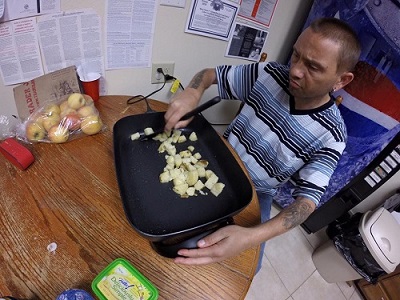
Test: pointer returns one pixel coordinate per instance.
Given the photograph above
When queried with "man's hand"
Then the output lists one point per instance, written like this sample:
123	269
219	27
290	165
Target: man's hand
224	243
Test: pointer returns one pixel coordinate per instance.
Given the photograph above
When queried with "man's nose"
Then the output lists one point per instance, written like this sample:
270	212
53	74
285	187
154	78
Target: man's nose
296	69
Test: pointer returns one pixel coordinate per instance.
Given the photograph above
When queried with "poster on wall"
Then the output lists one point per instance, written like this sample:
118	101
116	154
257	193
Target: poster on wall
258	11
212	18
371	102
246	42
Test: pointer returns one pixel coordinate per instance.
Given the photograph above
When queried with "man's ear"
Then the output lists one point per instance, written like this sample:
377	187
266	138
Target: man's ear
344	80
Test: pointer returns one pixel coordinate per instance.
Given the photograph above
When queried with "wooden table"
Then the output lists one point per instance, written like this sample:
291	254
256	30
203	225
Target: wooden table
69	196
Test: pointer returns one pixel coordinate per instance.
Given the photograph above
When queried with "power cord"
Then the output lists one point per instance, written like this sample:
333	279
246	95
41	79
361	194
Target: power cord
138	98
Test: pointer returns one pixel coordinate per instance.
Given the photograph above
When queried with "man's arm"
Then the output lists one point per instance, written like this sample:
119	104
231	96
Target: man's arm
232	240
189	98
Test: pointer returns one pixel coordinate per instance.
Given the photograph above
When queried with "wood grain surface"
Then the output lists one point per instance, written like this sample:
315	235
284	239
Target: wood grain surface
69	196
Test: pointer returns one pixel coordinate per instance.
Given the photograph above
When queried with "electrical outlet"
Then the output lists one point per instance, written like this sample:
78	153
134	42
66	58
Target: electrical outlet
168	68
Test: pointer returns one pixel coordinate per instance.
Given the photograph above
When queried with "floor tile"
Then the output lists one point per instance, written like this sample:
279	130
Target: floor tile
356	296
290	256
346	289
317	238
317	288
267	285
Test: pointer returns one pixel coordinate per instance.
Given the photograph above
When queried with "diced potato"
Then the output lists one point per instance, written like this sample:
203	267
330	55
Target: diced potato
182	139
211	181
197	155
193	160
178	160
209	173
193	136
191	148
192	178
203	163
148	131
181	189
191	191
217	188
170	160
185	153
135	136
201	171
165	177
199	185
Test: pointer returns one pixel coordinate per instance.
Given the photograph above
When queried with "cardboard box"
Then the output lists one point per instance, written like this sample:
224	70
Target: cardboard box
32	95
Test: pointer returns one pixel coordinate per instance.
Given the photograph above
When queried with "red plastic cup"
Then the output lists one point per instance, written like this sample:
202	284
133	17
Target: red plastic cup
91	85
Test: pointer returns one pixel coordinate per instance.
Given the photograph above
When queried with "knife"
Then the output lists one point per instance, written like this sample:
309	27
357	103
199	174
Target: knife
190	114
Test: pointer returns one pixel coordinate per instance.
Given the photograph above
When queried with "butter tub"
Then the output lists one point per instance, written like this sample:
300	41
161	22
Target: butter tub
121	281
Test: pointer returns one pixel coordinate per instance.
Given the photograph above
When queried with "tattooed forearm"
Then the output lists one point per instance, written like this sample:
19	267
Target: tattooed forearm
197	79
297	213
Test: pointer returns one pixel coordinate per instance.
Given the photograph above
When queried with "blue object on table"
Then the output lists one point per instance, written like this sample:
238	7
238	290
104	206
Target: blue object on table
74	294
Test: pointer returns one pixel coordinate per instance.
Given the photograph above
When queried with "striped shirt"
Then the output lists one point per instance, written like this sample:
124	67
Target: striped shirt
275	141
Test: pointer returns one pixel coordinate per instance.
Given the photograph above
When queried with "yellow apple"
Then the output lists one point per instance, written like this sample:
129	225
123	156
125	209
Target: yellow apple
58	134
52	108
86	111
76	100
50	121
91	124
34	132
63	106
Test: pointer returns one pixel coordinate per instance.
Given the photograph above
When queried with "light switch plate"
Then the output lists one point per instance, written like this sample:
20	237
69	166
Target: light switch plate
174	3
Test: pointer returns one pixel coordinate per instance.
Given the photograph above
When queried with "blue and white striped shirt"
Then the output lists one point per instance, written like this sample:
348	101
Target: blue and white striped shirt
275	141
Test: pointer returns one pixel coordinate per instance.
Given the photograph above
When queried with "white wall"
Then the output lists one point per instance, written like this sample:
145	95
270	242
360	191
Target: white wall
190	53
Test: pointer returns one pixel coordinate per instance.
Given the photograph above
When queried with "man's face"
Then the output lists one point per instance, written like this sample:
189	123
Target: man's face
313	68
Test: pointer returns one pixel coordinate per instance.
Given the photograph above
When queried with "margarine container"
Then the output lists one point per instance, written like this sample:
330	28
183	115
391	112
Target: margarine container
121	281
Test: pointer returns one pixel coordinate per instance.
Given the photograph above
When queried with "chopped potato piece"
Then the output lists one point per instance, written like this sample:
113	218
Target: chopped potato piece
193	136
148	131
211	181
165	177
217	188
192	178
181	189
199	185
135	136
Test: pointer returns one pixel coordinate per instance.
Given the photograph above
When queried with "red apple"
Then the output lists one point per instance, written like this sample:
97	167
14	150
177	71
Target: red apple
72	121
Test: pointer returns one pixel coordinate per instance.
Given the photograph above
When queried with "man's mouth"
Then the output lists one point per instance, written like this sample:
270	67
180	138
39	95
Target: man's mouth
294	84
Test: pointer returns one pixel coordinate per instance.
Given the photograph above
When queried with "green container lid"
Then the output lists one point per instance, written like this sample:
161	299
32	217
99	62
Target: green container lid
121	281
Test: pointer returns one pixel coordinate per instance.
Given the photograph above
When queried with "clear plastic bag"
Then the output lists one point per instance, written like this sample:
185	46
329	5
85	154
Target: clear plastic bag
72	117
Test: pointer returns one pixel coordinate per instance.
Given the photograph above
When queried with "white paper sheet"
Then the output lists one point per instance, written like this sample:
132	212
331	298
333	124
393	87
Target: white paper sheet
71	38
19	51
130	31
212	18
17	9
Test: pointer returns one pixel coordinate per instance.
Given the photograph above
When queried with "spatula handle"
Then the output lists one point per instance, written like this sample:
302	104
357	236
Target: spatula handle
201	107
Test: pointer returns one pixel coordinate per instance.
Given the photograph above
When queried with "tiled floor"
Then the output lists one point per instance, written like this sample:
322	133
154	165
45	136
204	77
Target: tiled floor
289	273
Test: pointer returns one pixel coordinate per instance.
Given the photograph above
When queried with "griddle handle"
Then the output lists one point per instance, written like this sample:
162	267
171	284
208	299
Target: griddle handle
201	107
171	250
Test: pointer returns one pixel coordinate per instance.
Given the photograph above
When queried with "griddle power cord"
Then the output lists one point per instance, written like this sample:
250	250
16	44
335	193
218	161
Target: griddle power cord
138	98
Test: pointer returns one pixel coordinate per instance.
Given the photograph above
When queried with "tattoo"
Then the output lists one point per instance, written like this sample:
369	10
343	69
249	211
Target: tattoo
197	79
296	213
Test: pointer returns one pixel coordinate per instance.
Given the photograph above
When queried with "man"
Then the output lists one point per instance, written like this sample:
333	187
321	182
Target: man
288	128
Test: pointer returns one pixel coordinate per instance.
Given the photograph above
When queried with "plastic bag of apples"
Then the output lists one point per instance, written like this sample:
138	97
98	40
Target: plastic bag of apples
71	117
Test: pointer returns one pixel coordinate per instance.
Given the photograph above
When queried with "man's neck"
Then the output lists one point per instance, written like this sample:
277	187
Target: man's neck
307	104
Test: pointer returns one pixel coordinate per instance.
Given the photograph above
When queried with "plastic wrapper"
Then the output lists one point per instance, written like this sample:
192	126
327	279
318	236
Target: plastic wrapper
349	242
8	126
72	117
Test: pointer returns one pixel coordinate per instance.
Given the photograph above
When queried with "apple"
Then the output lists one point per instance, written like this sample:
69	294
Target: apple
50	121
91	124
34	131
52	108
86	111
76	100
72	121
63	106
58	134
68	111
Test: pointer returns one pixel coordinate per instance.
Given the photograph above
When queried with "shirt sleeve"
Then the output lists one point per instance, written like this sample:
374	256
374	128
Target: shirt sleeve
313	178
236	82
